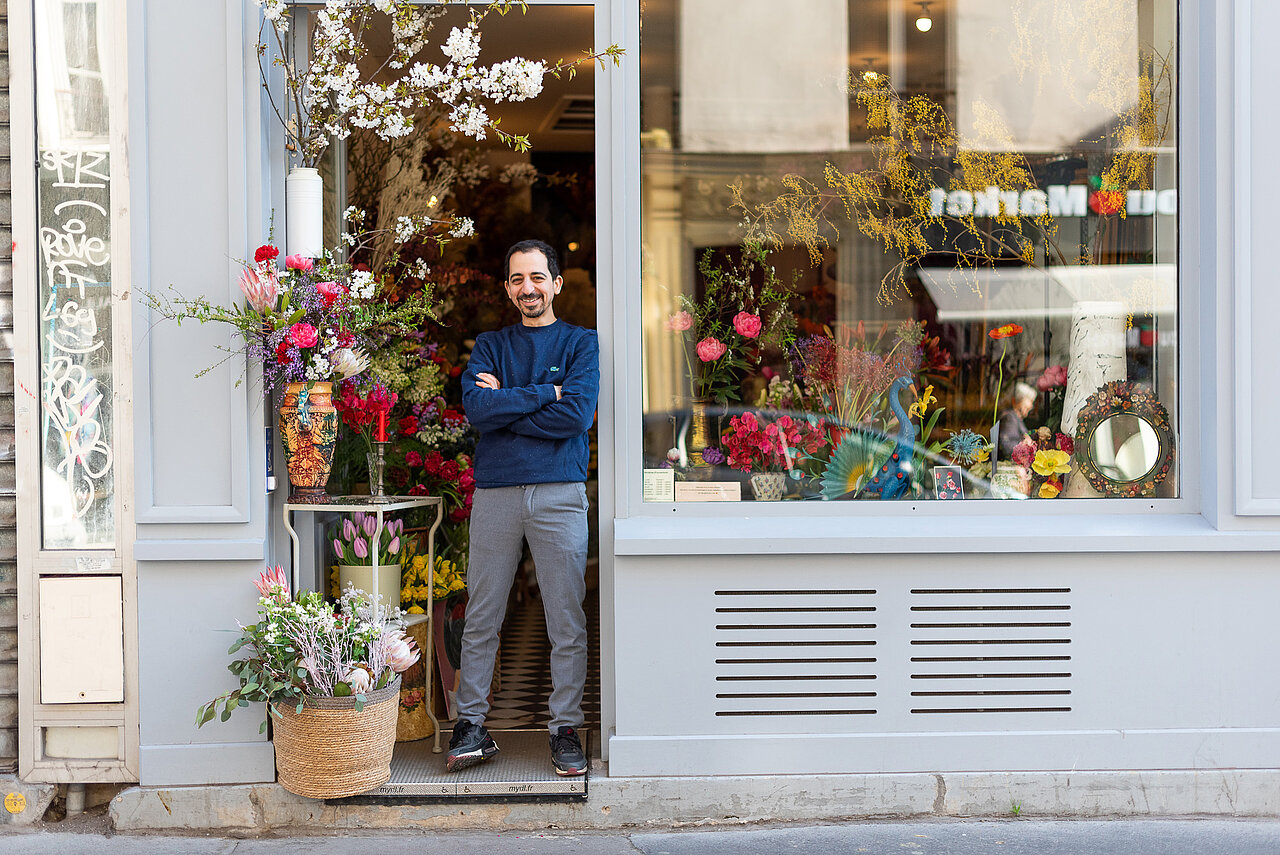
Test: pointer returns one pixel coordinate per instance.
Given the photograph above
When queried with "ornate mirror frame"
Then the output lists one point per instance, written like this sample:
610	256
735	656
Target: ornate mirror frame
1123	397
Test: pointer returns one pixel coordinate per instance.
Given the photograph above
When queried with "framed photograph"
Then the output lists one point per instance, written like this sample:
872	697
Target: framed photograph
948	482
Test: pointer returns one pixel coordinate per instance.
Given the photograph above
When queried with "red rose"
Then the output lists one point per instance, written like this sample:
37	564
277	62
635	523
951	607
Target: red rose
466	480
282	351
413	458
407	426
330	292
449	470
266	252
432	463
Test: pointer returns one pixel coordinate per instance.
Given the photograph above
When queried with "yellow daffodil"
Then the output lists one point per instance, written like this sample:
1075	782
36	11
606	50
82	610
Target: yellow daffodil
1051	462
922	403
1048	491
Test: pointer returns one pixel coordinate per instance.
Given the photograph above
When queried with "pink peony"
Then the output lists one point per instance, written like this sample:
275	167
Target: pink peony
330	292
303	335
710	349
1054	375
679	322
298	262
747	324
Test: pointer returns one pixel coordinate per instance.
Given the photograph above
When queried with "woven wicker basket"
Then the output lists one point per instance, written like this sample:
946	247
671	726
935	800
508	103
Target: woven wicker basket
330	751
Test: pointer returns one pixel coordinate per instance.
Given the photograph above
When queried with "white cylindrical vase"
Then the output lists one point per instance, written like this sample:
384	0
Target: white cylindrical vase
361	578
304	212
1097	354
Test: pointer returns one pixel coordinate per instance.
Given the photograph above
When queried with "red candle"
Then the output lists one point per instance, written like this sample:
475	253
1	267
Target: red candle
381	434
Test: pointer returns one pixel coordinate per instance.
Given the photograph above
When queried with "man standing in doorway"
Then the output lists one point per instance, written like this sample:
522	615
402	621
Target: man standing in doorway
531	390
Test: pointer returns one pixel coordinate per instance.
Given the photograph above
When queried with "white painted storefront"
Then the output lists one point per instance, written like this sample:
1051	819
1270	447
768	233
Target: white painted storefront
1143	630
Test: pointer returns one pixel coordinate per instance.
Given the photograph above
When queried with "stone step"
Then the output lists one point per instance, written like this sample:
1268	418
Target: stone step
6	373
8	678
8	515
6	412
6	166
8	544
8	615
4	129
9	742
6	267
8	645
8	577
8	472
8	710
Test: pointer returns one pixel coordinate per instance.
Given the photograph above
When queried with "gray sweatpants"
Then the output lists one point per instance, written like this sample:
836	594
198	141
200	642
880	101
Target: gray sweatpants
553	518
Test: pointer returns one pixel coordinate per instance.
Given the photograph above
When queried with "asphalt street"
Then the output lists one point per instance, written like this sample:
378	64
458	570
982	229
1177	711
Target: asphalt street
954	837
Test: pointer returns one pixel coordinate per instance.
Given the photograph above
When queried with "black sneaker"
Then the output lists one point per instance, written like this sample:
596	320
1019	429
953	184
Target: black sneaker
566	753
470	744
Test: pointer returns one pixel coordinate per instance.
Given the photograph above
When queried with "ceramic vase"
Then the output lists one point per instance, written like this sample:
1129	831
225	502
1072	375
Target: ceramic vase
308	429
768	486
304	212
360	576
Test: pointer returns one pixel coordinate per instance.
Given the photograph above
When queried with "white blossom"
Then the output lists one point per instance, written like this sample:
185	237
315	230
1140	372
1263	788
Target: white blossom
362	285
463	227
318	368
463	45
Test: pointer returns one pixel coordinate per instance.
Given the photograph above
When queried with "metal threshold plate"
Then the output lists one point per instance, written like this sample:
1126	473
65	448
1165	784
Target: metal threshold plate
522	768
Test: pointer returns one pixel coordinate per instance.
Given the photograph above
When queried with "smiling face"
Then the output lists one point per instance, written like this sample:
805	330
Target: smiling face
530	287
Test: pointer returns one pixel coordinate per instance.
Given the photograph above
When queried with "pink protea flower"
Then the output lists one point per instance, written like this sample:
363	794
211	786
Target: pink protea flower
260	289
747	324
710	349
303	335
273	582
298	262
679	322
401	651
359	680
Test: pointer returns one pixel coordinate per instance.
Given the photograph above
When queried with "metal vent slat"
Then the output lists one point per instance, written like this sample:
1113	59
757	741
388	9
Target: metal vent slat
794	653
980	651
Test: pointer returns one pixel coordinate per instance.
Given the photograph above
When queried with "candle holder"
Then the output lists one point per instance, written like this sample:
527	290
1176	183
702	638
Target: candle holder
377	463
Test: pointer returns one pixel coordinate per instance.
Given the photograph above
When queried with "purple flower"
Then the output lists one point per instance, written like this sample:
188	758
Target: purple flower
337	547
370	525
348	529
395	546
713	455
361	548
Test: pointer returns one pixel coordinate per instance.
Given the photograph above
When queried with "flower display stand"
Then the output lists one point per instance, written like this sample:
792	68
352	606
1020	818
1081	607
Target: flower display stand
377	507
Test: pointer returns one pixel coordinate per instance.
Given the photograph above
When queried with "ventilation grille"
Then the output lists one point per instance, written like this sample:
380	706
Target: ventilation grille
575	114
795	653
990	650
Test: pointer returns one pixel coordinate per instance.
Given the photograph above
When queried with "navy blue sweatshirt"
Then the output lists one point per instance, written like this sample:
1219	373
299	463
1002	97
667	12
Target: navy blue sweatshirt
526	435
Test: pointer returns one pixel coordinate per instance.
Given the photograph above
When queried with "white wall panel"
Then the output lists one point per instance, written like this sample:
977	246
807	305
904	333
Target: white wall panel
1110	661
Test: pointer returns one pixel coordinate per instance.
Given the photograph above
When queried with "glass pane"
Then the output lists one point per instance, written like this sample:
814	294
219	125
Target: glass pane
78	478
902	250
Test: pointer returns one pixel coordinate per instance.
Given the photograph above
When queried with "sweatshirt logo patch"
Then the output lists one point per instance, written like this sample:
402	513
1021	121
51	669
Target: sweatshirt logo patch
554	368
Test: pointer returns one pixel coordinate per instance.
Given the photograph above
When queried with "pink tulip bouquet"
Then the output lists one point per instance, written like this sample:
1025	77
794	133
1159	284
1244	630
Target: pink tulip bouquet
357	539
743	310
301	647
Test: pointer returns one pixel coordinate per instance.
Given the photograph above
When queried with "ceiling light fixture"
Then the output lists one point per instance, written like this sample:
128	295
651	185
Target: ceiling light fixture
924	23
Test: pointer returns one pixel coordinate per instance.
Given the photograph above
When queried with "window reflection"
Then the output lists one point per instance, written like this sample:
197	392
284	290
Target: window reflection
863	241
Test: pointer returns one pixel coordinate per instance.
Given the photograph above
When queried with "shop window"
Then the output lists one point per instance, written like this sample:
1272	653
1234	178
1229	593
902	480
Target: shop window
886	257
75	250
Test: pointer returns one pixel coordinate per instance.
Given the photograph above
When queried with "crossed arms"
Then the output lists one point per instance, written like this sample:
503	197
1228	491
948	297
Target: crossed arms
543	410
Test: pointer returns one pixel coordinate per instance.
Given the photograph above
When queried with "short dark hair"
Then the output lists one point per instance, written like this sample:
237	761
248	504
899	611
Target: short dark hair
553	263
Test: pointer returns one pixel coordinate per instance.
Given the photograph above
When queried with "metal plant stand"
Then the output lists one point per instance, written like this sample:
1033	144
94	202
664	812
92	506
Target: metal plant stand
378	506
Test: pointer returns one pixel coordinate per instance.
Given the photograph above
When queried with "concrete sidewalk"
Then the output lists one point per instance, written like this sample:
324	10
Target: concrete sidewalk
953	837
624	803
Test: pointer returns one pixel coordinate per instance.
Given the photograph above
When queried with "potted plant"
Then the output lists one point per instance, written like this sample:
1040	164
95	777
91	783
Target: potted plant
330	680
769	449
358	542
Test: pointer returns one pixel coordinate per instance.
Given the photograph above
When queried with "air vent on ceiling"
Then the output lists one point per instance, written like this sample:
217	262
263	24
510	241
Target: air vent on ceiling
795	653
574	114
990	650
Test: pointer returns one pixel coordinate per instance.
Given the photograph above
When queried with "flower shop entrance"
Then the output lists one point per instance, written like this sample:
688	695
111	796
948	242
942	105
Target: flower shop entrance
546	193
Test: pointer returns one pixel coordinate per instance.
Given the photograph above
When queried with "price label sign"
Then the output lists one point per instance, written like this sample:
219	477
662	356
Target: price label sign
15	802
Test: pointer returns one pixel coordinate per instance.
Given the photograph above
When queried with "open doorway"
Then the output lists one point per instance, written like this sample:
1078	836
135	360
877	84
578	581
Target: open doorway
547	193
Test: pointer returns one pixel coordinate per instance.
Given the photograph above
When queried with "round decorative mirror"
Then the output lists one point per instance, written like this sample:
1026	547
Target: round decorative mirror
1124	444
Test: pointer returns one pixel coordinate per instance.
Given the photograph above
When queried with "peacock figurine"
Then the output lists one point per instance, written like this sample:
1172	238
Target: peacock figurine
892	479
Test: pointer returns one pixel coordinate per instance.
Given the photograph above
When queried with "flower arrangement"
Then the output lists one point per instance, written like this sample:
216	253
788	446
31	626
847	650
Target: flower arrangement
310	322
334	92
743	309
362	402
418	586
358	540
301	647
432	474
754	445
1047	455
845	377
